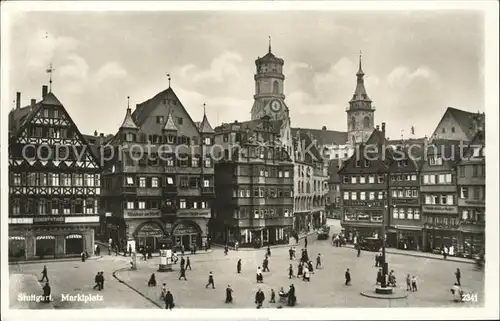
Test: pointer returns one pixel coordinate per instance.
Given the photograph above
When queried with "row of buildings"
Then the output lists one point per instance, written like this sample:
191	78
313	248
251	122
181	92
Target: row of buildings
257	181
428	193
67	189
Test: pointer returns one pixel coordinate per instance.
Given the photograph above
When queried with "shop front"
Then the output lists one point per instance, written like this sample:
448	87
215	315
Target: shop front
17	247
74	244
316	219
438	238
187	233
149	234
409	238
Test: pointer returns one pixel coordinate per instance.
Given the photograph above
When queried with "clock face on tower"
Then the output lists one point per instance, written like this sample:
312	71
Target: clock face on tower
276	106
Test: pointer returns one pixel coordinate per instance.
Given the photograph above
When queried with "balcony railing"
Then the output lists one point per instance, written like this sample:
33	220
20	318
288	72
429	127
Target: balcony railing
208	190
170	189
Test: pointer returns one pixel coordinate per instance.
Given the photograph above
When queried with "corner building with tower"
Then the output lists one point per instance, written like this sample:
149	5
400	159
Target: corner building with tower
158	182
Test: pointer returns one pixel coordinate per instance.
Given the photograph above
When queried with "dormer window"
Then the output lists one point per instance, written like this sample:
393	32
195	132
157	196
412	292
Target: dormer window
159	119
179	120
435	161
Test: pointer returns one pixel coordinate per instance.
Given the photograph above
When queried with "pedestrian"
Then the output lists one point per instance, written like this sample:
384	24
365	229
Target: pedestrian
169	301
306	276
238	266
129	250
265	265
188	263
183	262
305	241
163	291
46	292
229	294
294	253
408	283
380	277
291	296
152	280
290	271
290	253
98	250
268	250
182	249
226	249
183	274
376	260
347	277
318	261
194	248
259	298
458	275
299	269
101	279
97	281
44	274
150	252
310	267
273	297
110	245
210	280
83	256
359	250
260	278
445	252
414	284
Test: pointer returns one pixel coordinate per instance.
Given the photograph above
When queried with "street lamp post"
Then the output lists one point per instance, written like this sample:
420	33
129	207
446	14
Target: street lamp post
385	267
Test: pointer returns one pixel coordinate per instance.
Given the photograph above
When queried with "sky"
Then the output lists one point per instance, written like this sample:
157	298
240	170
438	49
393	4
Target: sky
416	63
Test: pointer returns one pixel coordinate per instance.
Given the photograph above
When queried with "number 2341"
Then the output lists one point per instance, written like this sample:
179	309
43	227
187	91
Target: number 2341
469	297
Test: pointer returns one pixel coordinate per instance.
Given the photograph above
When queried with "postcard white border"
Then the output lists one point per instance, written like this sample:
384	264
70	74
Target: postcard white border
490	9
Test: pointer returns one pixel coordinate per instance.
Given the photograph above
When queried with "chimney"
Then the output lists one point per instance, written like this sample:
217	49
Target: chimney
378	127
383	129
324	128
45	90
18	107
33	102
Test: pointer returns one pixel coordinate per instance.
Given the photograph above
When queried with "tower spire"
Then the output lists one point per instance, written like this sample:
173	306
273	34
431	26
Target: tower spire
49	71
128	102
269	44
360	70
168	75
204	109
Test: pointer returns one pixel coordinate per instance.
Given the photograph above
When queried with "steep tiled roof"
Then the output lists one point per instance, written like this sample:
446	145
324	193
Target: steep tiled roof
249	125
51	99
360	91
377	137
128	122
205	126
324	136
466	120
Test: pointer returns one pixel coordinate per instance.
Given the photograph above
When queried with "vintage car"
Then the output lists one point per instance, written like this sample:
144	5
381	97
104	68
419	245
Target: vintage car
323	232
370	244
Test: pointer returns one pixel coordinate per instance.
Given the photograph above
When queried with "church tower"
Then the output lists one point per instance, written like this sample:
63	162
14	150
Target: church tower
360	113
269	98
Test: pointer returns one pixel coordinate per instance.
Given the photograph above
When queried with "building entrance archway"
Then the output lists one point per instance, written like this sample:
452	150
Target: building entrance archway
187	234
148	235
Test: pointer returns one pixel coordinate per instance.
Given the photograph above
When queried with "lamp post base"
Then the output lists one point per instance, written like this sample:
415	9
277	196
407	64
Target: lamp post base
388	293
165	268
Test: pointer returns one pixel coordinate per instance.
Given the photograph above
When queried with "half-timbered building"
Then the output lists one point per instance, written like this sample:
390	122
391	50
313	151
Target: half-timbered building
54	182
158	176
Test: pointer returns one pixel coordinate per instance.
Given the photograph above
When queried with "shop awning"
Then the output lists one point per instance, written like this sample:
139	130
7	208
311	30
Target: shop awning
408	227
45	237
18	238
74	236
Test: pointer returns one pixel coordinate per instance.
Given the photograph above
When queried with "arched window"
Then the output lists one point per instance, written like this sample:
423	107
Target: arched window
276	87
366	122
353	123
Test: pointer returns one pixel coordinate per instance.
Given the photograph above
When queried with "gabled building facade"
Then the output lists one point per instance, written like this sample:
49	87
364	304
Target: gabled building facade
54	183
364	188
405	221
159	184
311	183
438	187
457	124
254	179
471	180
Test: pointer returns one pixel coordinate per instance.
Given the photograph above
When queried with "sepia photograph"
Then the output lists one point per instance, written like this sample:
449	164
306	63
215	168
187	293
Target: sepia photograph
278	157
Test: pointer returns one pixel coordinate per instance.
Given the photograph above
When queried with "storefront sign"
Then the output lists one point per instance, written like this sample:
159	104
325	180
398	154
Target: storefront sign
141	213
81	219
48	219
474	202
150	229
403	201
21	220
440	209
363	203
183	229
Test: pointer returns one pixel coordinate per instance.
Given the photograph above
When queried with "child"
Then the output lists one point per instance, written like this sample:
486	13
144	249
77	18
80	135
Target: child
163	292
414	284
